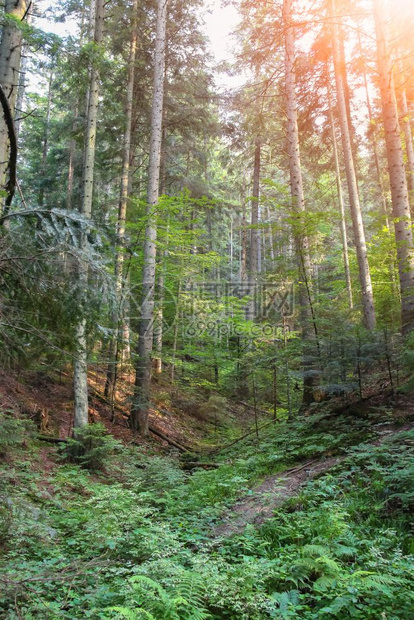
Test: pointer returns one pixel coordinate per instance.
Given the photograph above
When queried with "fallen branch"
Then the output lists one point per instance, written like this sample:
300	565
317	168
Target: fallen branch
189	465
152	429
297	469
170	441
217	451
106	401
51	439
252	408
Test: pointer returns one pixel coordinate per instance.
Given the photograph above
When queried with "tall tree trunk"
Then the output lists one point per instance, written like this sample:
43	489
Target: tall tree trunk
374	140
22	82
357	222
175	333
142	391
45	148
254	232
396	169
72	141
344	76
408	138
309	328
158	321
10	59
340	202
159	312
71	163
243	235
254	239
80	376
270	233
122	212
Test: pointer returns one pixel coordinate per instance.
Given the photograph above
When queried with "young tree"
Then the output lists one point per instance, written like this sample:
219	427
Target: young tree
142	391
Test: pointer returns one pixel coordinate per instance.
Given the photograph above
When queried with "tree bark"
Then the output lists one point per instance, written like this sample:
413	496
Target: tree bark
159	318
10	59
396	170
22	82
11	131
408	138
159	311
142	391
80	376
357	222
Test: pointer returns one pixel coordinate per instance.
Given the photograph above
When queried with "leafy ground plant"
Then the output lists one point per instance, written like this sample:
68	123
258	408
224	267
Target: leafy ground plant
136	541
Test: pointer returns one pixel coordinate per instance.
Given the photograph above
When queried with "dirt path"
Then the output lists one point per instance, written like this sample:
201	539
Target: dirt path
275	490
256	508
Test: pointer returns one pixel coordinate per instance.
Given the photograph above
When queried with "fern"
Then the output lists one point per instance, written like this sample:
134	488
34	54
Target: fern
324	583
183	601
125	612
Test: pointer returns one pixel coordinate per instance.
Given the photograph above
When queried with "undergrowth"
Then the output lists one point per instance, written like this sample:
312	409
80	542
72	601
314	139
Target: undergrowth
134	540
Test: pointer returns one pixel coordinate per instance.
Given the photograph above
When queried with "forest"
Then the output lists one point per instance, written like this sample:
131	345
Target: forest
206	310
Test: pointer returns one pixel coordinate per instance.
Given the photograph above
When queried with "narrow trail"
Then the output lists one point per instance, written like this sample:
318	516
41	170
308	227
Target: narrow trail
274	491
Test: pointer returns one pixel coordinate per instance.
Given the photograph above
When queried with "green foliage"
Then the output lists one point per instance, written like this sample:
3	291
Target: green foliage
214	411
182	601
136	542
12	432
90	447
6	520
408	361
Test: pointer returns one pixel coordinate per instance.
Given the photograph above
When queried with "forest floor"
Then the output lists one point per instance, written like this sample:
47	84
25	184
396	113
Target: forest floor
47	399
145	532
178	414
264	499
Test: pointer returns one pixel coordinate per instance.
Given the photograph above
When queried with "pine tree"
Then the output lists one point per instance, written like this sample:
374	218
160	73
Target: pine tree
80	373
357	221
142	392
308	319
117	315
396	170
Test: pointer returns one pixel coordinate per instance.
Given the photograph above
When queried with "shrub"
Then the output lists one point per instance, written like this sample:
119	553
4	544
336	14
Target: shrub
214	411
90	447
12	432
